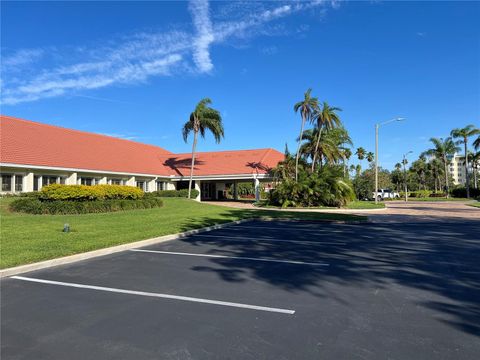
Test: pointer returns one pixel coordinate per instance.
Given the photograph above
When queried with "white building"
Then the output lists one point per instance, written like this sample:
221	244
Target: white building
457	170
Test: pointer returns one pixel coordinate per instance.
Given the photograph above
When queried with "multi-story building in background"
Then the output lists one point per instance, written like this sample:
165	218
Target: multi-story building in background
457	170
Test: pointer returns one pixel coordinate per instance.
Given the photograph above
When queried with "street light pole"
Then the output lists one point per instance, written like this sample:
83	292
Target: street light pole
405	174
376	162
377	126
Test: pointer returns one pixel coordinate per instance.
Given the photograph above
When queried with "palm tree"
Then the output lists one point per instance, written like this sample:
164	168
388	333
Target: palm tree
328	147
463	134
443	148
475	160
347	154
306	107
370	156
476	143
203	118
360	153
325	118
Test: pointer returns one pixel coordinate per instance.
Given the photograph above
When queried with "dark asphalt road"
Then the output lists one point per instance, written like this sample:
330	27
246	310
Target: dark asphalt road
391	291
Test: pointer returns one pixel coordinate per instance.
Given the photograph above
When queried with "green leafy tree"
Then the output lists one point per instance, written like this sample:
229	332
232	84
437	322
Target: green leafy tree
364	184
443	149
463	134
306	107
202	119
325	118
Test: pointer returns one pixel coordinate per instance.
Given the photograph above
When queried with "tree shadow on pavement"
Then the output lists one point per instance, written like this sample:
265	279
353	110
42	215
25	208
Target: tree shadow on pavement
439	262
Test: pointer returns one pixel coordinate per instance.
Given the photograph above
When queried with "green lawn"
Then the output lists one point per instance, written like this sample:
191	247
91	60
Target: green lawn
31	238
365	205
475	204
434	199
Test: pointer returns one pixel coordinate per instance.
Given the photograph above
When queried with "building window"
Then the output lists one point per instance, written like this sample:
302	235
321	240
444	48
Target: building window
161	185
36	183
6	182
18	183
87	181
141	185
61	180
47	180
117	181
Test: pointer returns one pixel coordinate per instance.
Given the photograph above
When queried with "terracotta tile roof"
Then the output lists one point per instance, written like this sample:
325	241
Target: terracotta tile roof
224	162
26	142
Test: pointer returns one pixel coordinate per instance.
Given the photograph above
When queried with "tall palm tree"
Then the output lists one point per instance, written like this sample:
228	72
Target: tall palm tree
370	156
203	118
327	118
475	161
463	134
360	153
442	150
306	107
347	154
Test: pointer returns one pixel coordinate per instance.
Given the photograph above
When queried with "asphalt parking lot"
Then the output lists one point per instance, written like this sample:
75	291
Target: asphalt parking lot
259	290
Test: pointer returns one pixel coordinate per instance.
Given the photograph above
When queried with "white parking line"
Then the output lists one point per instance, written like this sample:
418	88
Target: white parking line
157	295
232	257
274	240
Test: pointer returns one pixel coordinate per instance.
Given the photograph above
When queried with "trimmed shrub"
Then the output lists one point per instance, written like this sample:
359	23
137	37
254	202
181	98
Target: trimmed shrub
437	195
88	193
420	194
327	187
62	207
461	192
174	193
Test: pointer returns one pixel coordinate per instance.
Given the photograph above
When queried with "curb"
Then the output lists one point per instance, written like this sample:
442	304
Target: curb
110	250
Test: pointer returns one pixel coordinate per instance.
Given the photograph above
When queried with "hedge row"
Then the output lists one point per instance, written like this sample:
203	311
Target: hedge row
62	207
87	193
461	192
174	193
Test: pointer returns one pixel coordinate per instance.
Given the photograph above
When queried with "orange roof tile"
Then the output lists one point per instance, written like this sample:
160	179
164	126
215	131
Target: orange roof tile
237	162
26	142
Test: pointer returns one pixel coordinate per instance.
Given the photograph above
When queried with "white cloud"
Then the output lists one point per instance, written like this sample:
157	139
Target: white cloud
134	59
21	57
205	36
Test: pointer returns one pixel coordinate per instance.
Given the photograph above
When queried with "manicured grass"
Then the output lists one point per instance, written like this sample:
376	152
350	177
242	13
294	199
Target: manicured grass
365	205
475	204
31	238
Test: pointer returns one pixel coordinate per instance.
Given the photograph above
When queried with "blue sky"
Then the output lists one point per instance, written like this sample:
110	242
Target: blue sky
137	69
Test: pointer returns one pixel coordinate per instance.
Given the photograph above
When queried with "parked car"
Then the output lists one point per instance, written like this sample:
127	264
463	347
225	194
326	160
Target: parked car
383	194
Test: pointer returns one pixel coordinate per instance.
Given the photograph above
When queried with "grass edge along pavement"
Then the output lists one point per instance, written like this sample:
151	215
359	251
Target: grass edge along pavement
29	238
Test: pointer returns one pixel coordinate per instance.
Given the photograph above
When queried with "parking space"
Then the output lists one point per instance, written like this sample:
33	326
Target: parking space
259	290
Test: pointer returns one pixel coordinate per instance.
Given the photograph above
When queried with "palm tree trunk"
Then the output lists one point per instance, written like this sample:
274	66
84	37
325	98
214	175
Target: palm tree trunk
316	148
298	148
475	170
194	146
446	172
467	177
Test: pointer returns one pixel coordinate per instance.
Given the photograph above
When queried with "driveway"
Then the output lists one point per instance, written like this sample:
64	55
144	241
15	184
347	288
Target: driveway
396	211
421	211
259	290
